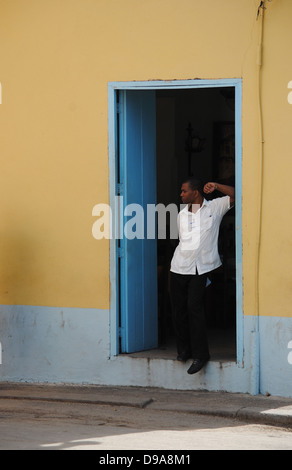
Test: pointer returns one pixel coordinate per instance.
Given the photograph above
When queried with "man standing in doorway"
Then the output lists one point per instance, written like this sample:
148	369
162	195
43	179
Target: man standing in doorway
195	257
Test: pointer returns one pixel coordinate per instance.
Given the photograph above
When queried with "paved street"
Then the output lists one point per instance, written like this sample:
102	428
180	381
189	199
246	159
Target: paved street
43	425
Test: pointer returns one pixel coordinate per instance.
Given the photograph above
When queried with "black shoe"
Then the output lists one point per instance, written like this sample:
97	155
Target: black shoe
197	365
184	356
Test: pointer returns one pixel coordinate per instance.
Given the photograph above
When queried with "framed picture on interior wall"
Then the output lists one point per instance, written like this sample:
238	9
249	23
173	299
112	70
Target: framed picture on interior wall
224	152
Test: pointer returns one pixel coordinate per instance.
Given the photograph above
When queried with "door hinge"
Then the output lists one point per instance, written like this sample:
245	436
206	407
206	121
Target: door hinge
120	189
120	251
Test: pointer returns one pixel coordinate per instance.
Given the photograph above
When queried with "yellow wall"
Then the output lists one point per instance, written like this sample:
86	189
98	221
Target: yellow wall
56	58
276	254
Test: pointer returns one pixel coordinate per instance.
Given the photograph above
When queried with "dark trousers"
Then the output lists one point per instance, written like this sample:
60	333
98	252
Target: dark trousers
187	296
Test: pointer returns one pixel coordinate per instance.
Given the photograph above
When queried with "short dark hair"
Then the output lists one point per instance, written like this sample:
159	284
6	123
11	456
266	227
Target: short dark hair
195	183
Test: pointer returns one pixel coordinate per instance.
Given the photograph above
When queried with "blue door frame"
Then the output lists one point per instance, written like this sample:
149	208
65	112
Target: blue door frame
113	87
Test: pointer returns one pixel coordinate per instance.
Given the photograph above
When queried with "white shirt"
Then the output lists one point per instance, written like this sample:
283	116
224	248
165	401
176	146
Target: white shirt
197	251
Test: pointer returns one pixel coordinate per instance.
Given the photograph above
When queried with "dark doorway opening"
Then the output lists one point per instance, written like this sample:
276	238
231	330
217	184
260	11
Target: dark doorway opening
195	135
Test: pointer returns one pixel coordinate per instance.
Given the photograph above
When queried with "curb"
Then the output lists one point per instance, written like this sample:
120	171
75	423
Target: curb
273	411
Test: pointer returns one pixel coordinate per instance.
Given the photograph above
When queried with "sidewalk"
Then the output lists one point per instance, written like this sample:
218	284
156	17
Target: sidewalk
259	409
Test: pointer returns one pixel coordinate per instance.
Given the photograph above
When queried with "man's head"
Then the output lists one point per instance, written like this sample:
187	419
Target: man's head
192	191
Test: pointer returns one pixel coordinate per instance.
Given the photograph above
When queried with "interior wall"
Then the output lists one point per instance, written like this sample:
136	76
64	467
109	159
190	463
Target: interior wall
175	110
167	163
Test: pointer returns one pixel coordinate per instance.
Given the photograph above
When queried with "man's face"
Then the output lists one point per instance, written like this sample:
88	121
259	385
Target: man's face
187	195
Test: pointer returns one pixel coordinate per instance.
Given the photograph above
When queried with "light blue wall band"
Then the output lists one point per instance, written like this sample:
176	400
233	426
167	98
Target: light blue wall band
66	345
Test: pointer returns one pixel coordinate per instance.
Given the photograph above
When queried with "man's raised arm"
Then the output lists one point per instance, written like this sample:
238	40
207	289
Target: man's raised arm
223	188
